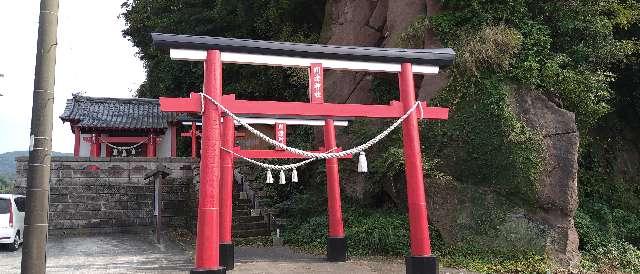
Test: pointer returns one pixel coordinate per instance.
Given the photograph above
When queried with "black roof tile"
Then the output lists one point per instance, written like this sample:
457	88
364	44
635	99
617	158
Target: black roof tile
116	113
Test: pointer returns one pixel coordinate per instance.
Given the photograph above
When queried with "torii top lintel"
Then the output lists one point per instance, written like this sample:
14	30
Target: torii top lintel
256	52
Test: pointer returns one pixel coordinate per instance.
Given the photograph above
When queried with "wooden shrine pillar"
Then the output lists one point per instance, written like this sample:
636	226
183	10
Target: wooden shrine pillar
226	193
173	134
95	145
152	145
336	243
194	140
76	145
208	238
420	260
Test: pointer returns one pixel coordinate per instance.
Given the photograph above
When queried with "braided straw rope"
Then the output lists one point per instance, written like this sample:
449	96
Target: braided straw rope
268	166
124	148
307	154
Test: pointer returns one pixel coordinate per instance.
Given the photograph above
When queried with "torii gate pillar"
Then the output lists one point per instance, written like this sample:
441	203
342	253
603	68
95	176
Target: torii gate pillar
421	260
208	237
226	194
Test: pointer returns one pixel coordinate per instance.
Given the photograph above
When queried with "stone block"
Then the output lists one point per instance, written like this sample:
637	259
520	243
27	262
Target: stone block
143	197
86	173
83	189
137	214
117	205
145	221
141	205
63	207
59	198
55	182
21	173
112	197
116	171
140	169
55	173
66	173
90	206
84	198
138	189
110	189
139	181
98	223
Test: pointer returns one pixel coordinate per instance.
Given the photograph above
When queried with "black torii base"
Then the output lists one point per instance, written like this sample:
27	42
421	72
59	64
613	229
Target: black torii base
227	255
336	249
220	270
421	264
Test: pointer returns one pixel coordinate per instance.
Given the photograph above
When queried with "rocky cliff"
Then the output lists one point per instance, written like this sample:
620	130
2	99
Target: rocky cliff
388	24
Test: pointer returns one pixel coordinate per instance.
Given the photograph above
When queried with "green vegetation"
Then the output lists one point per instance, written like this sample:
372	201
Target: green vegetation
385	232
5	185
582	55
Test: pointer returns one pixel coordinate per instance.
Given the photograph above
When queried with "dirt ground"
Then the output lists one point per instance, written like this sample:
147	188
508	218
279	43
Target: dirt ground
138	253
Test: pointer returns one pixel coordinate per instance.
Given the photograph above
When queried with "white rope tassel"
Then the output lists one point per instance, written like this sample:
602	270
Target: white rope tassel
362	163
282	178
115	152
294	176
269	177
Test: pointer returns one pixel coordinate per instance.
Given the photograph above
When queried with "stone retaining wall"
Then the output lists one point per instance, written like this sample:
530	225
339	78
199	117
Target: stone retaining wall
116	195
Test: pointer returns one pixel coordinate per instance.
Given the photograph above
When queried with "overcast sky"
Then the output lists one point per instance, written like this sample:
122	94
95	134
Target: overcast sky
92	57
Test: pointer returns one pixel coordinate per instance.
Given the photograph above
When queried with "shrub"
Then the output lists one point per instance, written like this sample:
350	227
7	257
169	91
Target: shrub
612	257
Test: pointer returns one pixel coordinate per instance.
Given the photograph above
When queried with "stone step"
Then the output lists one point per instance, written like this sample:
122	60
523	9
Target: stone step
250	226
241	202
251	233
242	207
247	219
236	196
245	212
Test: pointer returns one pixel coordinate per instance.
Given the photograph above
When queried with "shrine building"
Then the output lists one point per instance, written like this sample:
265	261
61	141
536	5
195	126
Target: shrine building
120	127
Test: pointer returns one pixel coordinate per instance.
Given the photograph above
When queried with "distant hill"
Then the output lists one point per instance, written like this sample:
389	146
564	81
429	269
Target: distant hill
8	162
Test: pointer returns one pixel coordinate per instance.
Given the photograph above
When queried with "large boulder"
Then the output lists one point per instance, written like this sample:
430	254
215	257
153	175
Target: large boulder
557	188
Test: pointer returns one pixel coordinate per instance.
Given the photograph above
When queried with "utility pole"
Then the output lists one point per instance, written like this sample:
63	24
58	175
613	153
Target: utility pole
36	220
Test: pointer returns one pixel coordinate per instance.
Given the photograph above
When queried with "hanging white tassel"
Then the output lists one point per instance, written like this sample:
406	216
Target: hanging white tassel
282	178
124	153
294	176
269	177
133	151
115	152
362	163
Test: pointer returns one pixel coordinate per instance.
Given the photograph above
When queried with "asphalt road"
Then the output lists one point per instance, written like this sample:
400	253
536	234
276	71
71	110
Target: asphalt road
138	253
110	253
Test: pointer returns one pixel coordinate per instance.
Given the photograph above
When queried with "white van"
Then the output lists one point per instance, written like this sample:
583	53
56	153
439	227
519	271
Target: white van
12	219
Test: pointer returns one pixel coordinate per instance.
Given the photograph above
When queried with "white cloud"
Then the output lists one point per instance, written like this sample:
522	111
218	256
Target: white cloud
92	56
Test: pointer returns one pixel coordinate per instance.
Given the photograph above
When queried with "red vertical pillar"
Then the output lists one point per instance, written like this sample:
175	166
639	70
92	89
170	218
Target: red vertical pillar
226	194
151	146
173	134
194	139
336	243
95	150
207	238
95	145
108	151
420	260
76	145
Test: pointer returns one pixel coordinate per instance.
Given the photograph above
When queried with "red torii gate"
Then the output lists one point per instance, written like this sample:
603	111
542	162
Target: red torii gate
335	57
